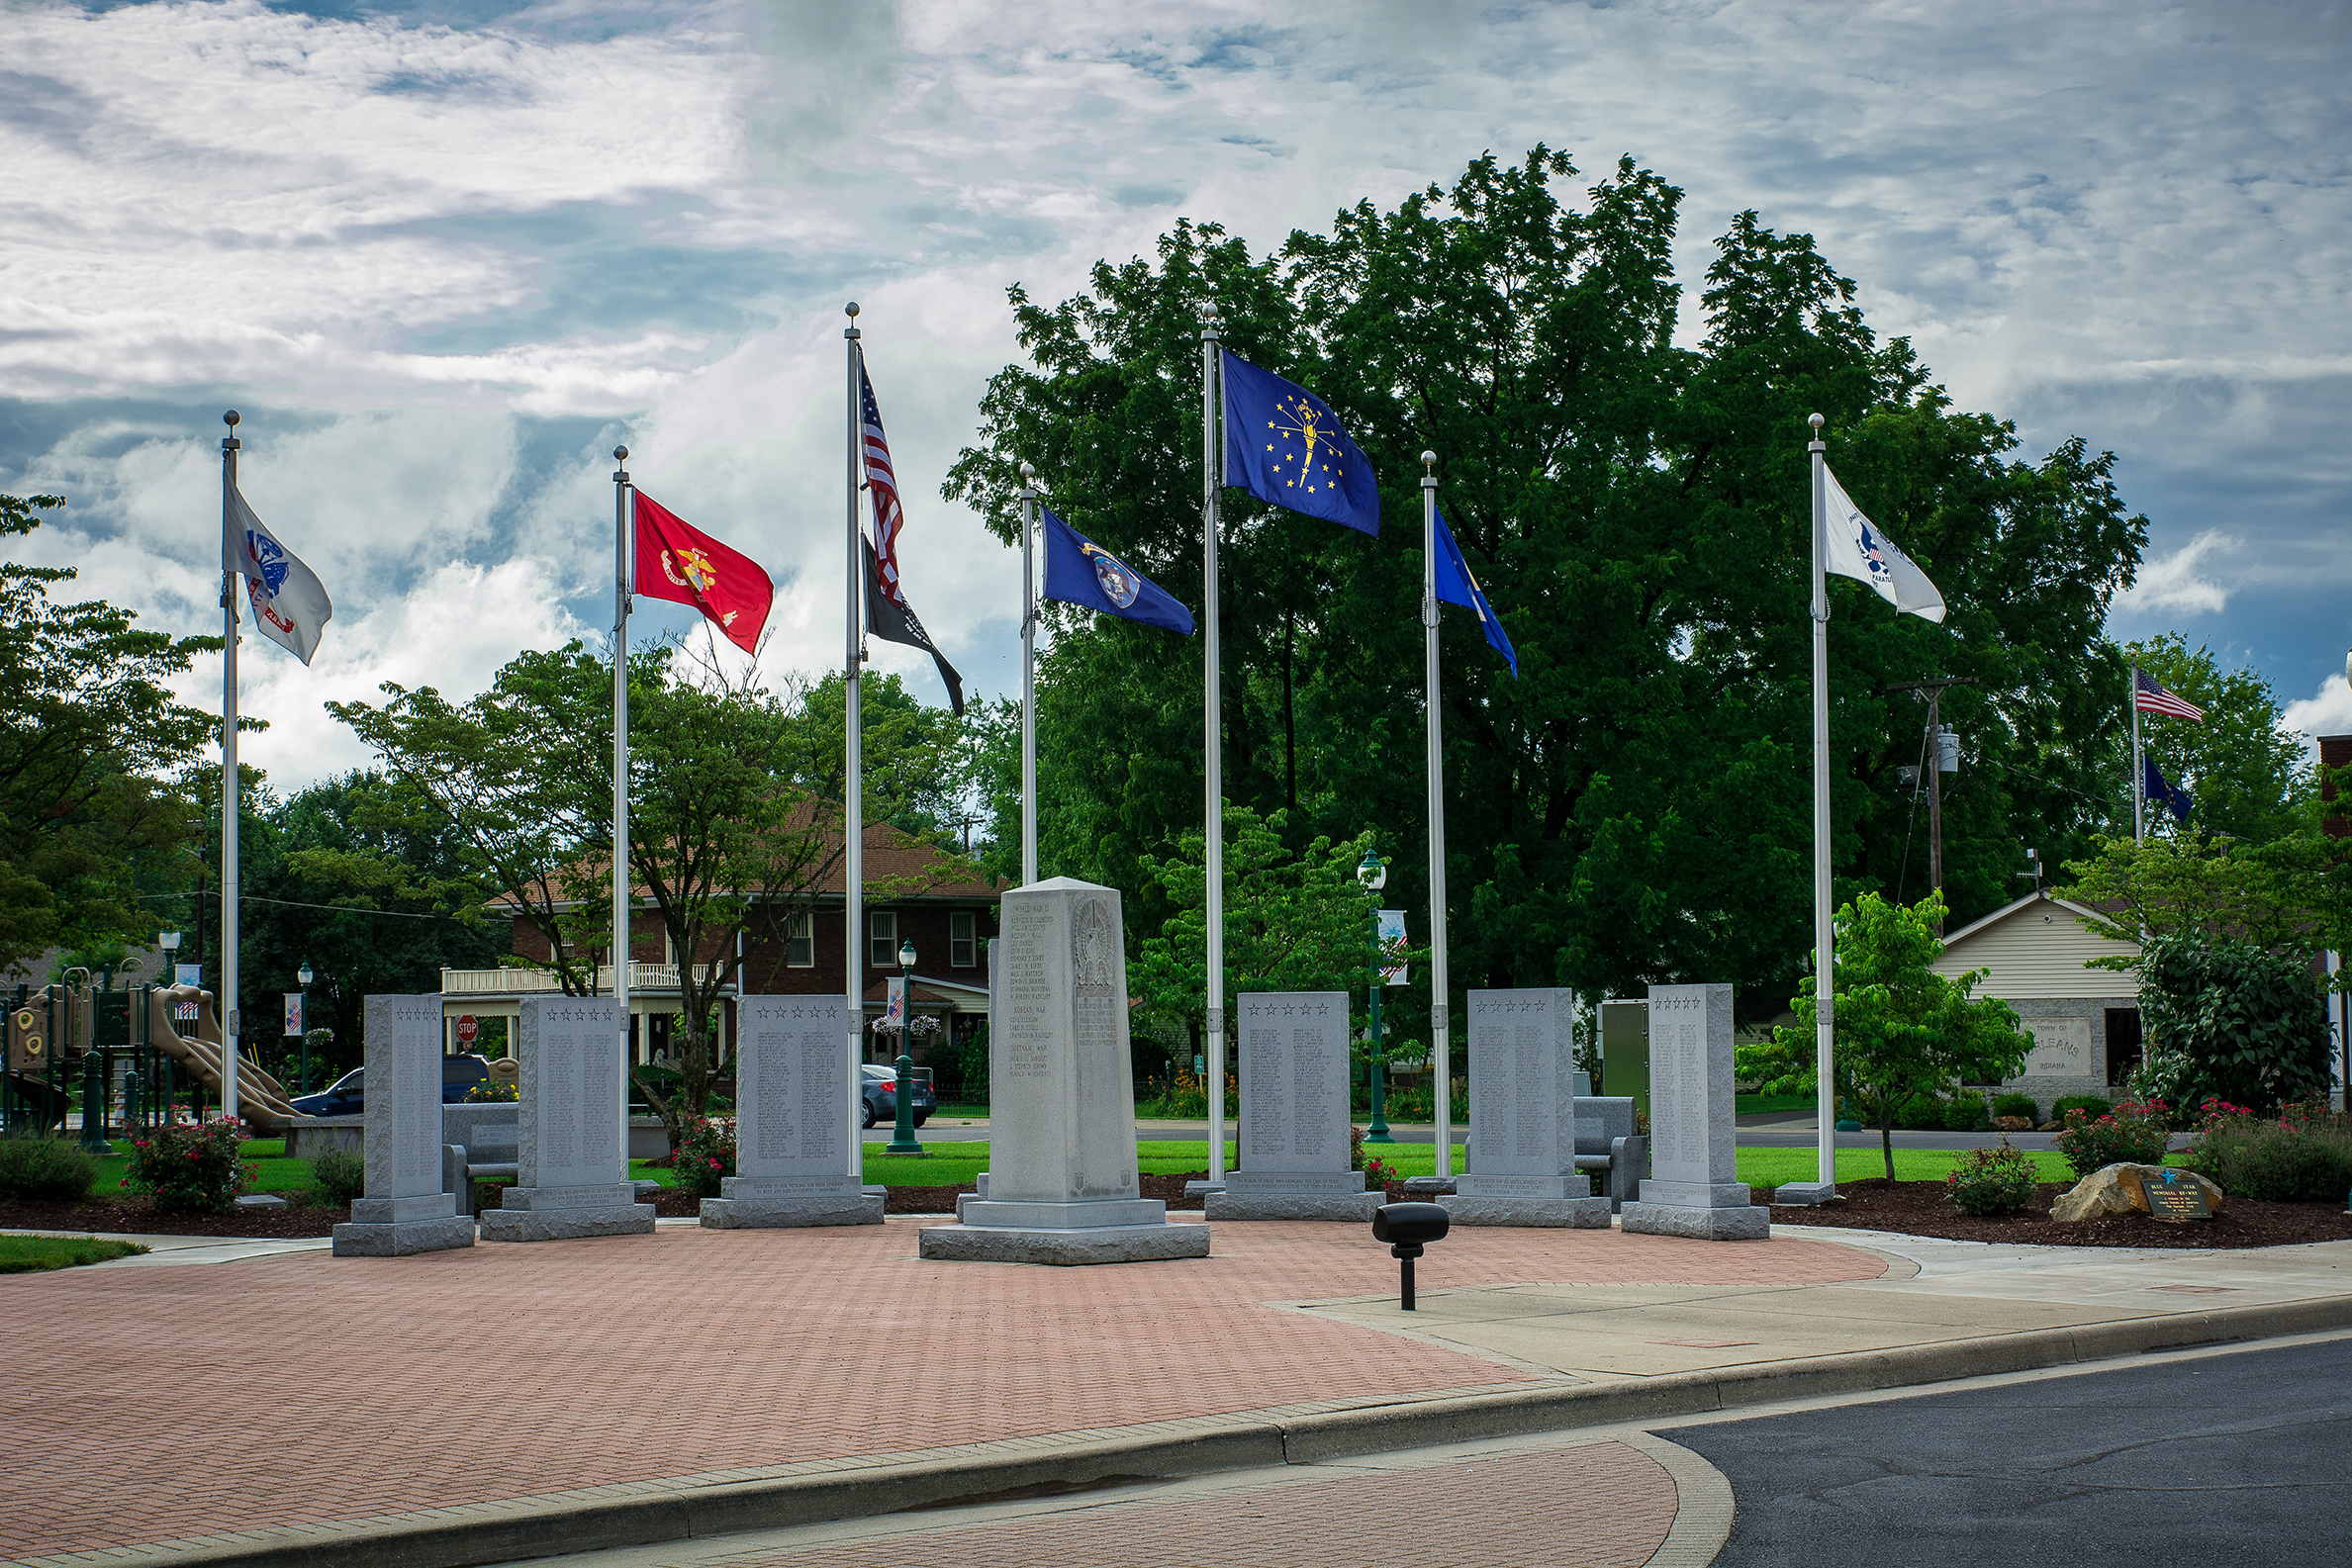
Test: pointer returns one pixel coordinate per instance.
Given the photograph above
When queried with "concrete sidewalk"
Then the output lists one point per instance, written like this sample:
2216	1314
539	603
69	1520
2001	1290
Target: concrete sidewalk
509	1402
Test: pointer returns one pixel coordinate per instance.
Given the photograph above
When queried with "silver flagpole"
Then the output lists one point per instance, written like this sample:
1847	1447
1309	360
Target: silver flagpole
1824	967
1441	1021
231	1024
2139	770
1028	678
1213	753
853	805
621	931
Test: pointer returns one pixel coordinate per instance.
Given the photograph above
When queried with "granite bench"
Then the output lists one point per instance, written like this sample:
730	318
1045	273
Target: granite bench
1609	1150
479	1143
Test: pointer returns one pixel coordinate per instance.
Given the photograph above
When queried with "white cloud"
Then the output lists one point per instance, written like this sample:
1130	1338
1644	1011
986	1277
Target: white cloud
2174	581
2326	713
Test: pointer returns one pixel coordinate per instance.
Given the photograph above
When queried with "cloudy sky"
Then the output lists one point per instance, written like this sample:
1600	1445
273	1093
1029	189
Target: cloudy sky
442	257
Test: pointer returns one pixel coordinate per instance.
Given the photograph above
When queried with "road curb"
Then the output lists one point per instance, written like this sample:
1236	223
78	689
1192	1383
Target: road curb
650	1513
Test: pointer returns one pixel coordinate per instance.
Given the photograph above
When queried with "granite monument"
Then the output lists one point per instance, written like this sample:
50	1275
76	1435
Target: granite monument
572	1160
1294	1112
790	1137
1694	1188
406	1209
1523	1116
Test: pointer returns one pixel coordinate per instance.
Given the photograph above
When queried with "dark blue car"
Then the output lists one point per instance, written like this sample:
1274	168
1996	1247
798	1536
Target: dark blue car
879	1090
348	1095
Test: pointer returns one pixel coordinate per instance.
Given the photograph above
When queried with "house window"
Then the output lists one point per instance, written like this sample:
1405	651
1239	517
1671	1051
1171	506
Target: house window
882	932
962	945
800	943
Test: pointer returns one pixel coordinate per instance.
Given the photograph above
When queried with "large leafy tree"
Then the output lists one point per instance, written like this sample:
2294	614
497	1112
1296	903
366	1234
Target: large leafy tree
89	734
1635	807
2241	763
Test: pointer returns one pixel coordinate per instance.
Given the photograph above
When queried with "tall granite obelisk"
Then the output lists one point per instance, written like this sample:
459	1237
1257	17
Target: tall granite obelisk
1694	1189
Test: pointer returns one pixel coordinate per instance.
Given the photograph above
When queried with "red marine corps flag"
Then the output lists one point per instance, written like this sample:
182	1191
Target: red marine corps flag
678	563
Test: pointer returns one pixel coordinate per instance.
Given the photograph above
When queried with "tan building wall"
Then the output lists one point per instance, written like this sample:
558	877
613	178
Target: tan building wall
2085	1021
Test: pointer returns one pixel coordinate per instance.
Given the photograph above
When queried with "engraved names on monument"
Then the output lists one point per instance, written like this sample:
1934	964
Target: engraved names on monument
791	1084
1694	1189
573	1167
406	1209
1293	1136
1523	1115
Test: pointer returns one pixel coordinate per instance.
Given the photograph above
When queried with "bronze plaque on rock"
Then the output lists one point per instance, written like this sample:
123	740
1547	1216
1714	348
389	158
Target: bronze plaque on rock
2174	1199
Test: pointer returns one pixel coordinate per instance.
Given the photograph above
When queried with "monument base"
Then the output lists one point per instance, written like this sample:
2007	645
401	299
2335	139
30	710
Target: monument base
1084	1214
1704	1224
560	1214
1109	1244
1425	1188
756	1212
1202	1188
1232	1205
403	1237
1806	1193
1572	1214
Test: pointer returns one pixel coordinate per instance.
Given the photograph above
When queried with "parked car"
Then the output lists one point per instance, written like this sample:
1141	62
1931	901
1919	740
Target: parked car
881	1093
348	1095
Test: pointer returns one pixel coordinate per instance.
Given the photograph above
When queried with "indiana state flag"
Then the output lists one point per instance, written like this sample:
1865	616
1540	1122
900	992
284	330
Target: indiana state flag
1077	571
1284	445
1456	586
2156	787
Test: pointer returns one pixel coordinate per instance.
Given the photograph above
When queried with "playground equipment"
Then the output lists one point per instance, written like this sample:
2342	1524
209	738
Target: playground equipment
58	1030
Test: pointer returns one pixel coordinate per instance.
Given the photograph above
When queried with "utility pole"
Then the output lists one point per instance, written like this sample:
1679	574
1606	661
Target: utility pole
1934	691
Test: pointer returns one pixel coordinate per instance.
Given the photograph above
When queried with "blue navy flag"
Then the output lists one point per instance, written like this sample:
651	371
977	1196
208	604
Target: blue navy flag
1456	586
1284	445
2156	788
1077	571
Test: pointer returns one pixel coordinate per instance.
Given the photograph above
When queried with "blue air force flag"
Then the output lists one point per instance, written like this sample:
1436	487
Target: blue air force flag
1077	571
1456	586
1857	549
1284	445
290	603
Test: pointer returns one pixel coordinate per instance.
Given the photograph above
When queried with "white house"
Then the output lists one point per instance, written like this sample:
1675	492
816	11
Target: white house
2085	1022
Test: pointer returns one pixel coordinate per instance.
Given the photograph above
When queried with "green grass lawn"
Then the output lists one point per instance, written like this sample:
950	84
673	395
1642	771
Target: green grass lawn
28	1254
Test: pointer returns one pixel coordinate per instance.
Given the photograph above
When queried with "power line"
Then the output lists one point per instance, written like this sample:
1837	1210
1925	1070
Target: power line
295	904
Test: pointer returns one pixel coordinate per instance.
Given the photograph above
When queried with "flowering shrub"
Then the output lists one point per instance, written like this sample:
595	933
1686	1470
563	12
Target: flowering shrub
191	1170
489	1091
2305	1157
1380	1174
2128	1135
705	1155
1187	1097
1991	1181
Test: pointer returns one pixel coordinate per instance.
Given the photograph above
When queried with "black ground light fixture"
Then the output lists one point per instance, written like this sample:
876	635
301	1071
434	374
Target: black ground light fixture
1407	1228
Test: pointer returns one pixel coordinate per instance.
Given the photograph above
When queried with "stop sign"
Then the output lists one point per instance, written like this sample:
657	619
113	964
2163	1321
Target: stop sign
467	1028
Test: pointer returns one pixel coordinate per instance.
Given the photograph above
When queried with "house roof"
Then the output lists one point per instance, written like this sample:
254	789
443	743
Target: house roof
2046	958
2079	911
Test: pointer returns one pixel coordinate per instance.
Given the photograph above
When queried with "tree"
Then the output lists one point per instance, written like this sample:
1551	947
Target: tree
2241	763
1902	1029
2279	896
89	732
2230	1020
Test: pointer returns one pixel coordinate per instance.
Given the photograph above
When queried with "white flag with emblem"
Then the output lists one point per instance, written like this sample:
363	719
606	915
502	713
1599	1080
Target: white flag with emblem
1859	550
290	603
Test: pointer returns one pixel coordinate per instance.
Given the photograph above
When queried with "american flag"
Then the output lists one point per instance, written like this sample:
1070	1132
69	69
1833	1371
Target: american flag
2150	697
887	518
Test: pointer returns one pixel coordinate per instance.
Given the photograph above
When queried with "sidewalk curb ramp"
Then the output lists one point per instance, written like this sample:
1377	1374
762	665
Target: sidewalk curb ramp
649	1513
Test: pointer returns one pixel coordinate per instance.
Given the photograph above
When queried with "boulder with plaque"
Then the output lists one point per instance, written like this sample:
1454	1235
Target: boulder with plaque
572	1160
1294	1163
1694	1188
792	1127
405	1210
1523	1116
1062	1174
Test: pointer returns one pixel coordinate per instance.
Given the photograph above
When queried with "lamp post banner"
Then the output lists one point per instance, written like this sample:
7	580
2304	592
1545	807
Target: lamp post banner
894	1012
1392	939
293	1014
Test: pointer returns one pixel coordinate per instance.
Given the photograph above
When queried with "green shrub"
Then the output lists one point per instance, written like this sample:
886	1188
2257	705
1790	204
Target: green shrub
705	1156
1413	1103
2289	1161
341	1176
1965	1113
47	1169
1921	1113
1355	1148
2129	1134
2018	1105
2089	1105
2237	1021
191	1170
1991	1181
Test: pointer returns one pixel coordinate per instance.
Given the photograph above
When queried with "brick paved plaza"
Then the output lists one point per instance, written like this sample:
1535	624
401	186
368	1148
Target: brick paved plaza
172	1402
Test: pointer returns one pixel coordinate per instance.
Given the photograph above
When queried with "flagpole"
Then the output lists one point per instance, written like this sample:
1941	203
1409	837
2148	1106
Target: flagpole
622	926
1028	676
1441	1026
230	1024
853	804
2139	773
1824	967
1212	752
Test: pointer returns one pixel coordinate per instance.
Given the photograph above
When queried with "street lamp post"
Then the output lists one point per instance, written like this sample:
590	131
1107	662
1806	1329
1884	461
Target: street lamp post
1374	877
902	1139
304	975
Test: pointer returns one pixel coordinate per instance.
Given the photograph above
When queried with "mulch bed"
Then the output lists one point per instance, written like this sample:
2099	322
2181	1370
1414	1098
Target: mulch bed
135	1214
1918	1207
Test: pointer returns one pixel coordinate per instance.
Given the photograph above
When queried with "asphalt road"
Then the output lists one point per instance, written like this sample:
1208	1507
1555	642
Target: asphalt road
2233	1458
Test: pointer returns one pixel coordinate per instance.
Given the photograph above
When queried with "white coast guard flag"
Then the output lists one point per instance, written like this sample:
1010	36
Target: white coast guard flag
1859	550
290	603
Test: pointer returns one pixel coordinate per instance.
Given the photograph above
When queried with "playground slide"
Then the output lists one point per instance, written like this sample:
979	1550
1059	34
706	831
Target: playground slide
260	1099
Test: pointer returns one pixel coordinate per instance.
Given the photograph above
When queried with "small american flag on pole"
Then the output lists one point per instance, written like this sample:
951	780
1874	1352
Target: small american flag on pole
887	518
2150	697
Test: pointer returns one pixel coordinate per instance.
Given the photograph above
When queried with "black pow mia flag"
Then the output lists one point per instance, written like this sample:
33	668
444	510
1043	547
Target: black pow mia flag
898	623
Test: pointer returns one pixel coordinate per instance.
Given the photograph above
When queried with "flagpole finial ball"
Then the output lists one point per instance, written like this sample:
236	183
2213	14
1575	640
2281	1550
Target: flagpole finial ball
1028	472
1816	420
1429	460
1208	310
620	454
229	418
851	309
